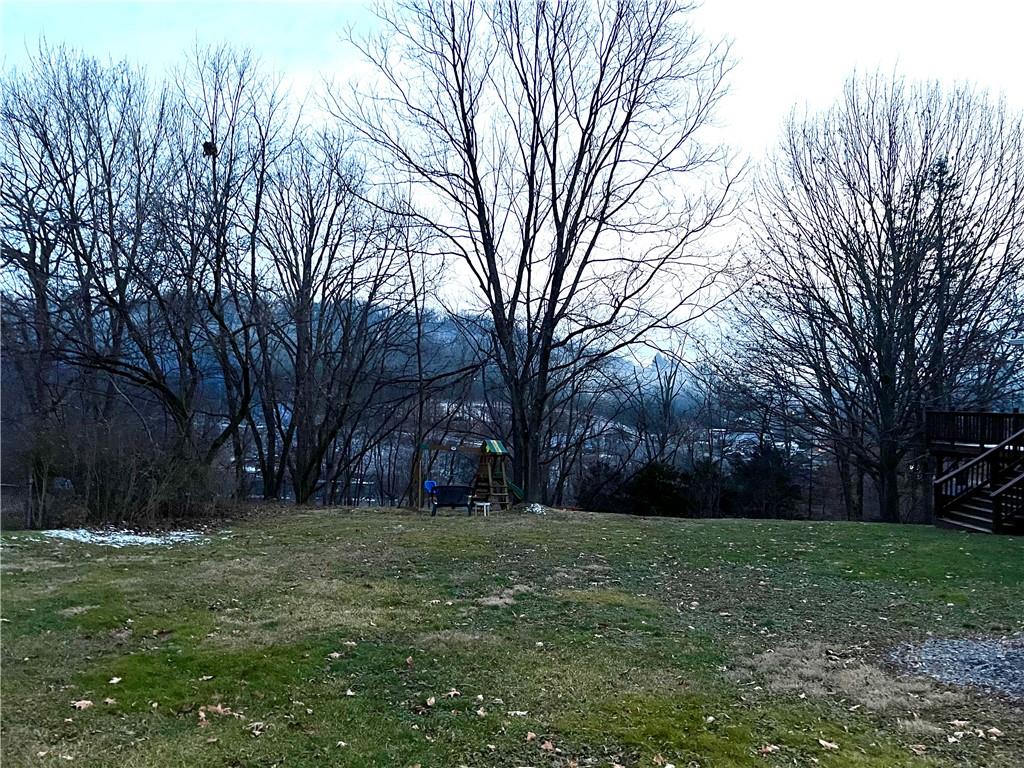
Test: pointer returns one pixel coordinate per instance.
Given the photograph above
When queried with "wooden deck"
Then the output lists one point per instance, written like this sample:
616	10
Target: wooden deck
979	469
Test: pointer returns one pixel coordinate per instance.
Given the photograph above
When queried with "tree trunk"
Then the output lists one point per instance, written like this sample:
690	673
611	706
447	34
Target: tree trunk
888	485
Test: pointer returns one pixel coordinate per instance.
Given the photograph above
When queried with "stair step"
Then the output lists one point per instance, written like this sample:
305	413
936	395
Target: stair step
970	516
948	521
975	508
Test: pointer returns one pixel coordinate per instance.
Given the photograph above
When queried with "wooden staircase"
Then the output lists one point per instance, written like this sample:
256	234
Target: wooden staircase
985	493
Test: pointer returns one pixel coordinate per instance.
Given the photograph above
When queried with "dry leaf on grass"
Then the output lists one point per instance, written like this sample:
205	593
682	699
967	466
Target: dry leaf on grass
257	727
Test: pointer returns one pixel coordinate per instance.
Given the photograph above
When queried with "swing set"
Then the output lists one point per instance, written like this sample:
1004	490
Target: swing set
490	485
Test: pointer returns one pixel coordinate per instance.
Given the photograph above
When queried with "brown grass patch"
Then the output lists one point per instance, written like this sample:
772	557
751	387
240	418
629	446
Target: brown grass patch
819	670
505	597
76	609
452	637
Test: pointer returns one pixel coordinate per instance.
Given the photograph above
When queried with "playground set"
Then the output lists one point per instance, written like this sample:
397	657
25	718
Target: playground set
490	488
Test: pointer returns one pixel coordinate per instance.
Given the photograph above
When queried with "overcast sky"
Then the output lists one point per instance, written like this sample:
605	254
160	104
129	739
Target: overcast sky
787	52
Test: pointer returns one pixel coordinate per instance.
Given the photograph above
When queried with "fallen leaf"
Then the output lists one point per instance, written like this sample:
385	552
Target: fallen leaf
341	744
109	700
81	704
452	693
482	712
994	732
204	678
333	655
918	749
257	727
547	746
431	701
349	692
768	749
828	744
530	735
115	680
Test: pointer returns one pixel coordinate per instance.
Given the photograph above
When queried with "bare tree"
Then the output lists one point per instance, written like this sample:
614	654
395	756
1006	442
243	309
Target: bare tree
232	128
339	275
128	214
890	268
554	148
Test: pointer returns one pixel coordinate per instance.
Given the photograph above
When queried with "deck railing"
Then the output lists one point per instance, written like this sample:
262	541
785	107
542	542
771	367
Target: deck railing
997	472
1008	503
967	428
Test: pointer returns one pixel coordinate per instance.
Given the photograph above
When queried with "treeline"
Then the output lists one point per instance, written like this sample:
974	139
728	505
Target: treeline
210	294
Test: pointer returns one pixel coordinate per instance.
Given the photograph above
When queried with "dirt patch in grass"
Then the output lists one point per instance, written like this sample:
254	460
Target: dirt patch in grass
30	564
920	728
819	670
504	597
452	637
76	609
610	598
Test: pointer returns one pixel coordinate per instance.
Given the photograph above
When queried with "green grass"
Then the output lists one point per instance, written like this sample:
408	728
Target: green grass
612	640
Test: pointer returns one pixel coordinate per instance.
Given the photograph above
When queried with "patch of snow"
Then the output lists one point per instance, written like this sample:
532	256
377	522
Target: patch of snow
114	537
534	509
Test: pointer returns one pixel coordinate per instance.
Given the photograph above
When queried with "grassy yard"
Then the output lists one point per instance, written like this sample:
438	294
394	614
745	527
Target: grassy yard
390	639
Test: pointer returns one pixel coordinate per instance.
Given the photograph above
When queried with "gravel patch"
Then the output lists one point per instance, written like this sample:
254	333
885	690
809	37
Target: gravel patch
113	537
992	664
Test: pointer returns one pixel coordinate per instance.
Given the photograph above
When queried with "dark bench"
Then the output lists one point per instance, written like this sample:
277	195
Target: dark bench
453	496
